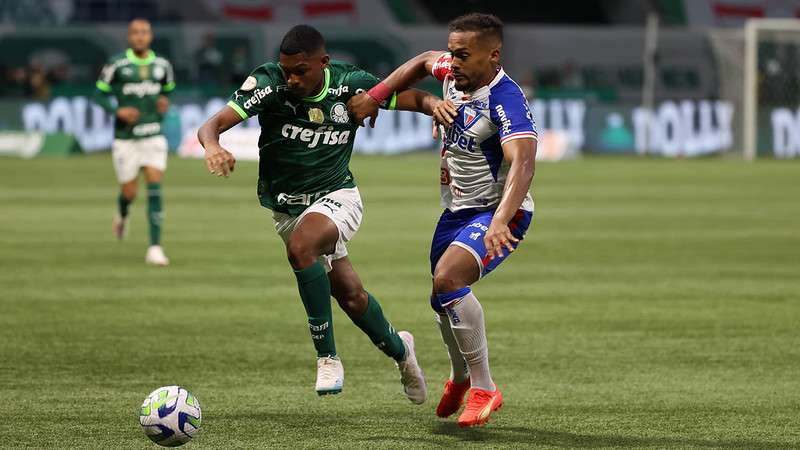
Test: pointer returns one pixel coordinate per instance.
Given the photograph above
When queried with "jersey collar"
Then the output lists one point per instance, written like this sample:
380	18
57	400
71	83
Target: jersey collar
500	74
140	61
324	90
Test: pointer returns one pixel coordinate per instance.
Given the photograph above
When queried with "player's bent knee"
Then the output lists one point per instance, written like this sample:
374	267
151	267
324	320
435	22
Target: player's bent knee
300	254
444	283
129	194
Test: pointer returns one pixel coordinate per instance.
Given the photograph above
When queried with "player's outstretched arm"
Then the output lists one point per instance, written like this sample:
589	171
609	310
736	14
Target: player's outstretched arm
412	71
521	155
417	100
219	161
415	69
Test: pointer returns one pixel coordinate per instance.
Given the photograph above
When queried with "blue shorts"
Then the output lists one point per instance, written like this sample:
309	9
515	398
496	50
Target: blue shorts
466	229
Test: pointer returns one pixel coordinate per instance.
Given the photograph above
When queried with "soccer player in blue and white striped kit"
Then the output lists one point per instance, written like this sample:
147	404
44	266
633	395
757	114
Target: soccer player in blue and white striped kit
487	166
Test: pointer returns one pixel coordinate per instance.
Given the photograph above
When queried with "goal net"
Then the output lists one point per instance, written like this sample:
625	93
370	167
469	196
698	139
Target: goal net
771	102
758	71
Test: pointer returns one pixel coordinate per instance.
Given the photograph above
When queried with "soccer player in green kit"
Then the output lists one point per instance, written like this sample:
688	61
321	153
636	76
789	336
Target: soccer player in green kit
305	146
140	81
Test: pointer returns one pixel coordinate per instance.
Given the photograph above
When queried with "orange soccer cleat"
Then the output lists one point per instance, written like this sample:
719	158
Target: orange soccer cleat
480	405
452	398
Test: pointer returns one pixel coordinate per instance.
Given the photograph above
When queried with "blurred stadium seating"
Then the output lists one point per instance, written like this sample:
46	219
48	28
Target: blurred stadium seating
585	83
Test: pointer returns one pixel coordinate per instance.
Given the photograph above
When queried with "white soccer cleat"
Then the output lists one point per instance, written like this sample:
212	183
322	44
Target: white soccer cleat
156	257
120	227
330	375
411	374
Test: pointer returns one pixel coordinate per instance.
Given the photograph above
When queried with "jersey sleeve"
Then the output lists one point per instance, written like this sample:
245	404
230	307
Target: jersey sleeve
254	95
360	80
106	77
168	83
510	113
441	67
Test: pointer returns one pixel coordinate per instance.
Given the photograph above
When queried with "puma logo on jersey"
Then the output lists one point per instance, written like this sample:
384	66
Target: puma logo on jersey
324	135
294	107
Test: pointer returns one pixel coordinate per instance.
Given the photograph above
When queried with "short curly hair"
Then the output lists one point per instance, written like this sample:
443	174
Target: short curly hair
302	39
484	24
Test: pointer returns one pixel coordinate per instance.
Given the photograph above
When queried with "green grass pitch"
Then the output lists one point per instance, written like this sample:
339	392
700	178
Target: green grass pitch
654	304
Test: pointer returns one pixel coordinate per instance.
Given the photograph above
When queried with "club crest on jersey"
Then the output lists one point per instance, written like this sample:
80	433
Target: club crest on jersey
469	116
158	72
339	113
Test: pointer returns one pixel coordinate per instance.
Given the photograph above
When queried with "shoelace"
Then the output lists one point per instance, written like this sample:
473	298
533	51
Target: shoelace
406	376
472	401
328	368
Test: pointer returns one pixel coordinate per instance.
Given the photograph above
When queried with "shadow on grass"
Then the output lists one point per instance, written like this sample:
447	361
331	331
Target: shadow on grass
441	434
521	435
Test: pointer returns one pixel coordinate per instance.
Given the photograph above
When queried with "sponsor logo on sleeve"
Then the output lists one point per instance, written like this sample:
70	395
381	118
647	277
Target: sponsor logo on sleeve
339	90
257	96
504	120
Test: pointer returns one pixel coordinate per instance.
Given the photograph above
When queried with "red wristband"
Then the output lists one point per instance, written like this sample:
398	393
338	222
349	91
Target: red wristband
380	92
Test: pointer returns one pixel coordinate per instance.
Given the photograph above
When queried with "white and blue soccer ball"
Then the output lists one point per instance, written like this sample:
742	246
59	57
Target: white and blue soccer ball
170	416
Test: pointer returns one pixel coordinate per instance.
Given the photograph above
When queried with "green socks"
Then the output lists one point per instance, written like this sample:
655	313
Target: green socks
154	212
124	205
315	291
380	331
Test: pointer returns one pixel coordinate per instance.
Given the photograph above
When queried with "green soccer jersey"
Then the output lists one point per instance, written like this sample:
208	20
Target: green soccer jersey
305	143
136	82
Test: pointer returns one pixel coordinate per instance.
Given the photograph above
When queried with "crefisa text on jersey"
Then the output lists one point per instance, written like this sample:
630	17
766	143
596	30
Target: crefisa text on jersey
324	134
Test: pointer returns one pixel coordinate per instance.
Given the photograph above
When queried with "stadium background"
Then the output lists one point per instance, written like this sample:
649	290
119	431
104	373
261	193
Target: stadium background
654	305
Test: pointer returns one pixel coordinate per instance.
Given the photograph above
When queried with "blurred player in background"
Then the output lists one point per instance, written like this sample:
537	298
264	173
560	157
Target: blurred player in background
487	168
304	178
140	81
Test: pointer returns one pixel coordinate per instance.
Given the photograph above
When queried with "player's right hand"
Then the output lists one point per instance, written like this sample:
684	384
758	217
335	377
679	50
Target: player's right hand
128	114
219	161
362	106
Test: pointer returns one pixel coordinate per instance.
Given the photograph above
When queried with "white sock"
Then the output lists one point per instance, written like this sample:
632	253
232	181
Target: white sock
466	321
458	367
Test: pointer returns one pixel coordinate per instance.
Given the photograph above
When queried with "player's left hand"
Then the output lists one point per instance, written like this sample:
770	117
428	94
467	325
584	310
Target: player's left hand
498	237
162	104
445	112
362	106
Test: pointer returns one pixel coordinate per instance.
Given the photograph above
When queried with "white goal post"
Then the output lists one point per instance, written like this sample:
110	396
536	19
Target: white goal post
764	74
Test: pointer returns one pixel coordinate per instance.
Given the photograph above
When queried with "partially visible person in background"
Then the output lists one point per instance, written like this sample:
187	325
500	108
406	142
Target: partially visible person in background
38	87
239	65
209	61
140	81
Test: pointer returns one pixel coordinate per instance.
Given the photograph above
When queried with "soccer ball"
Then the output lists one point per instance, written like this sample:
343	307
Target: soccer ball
170	416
